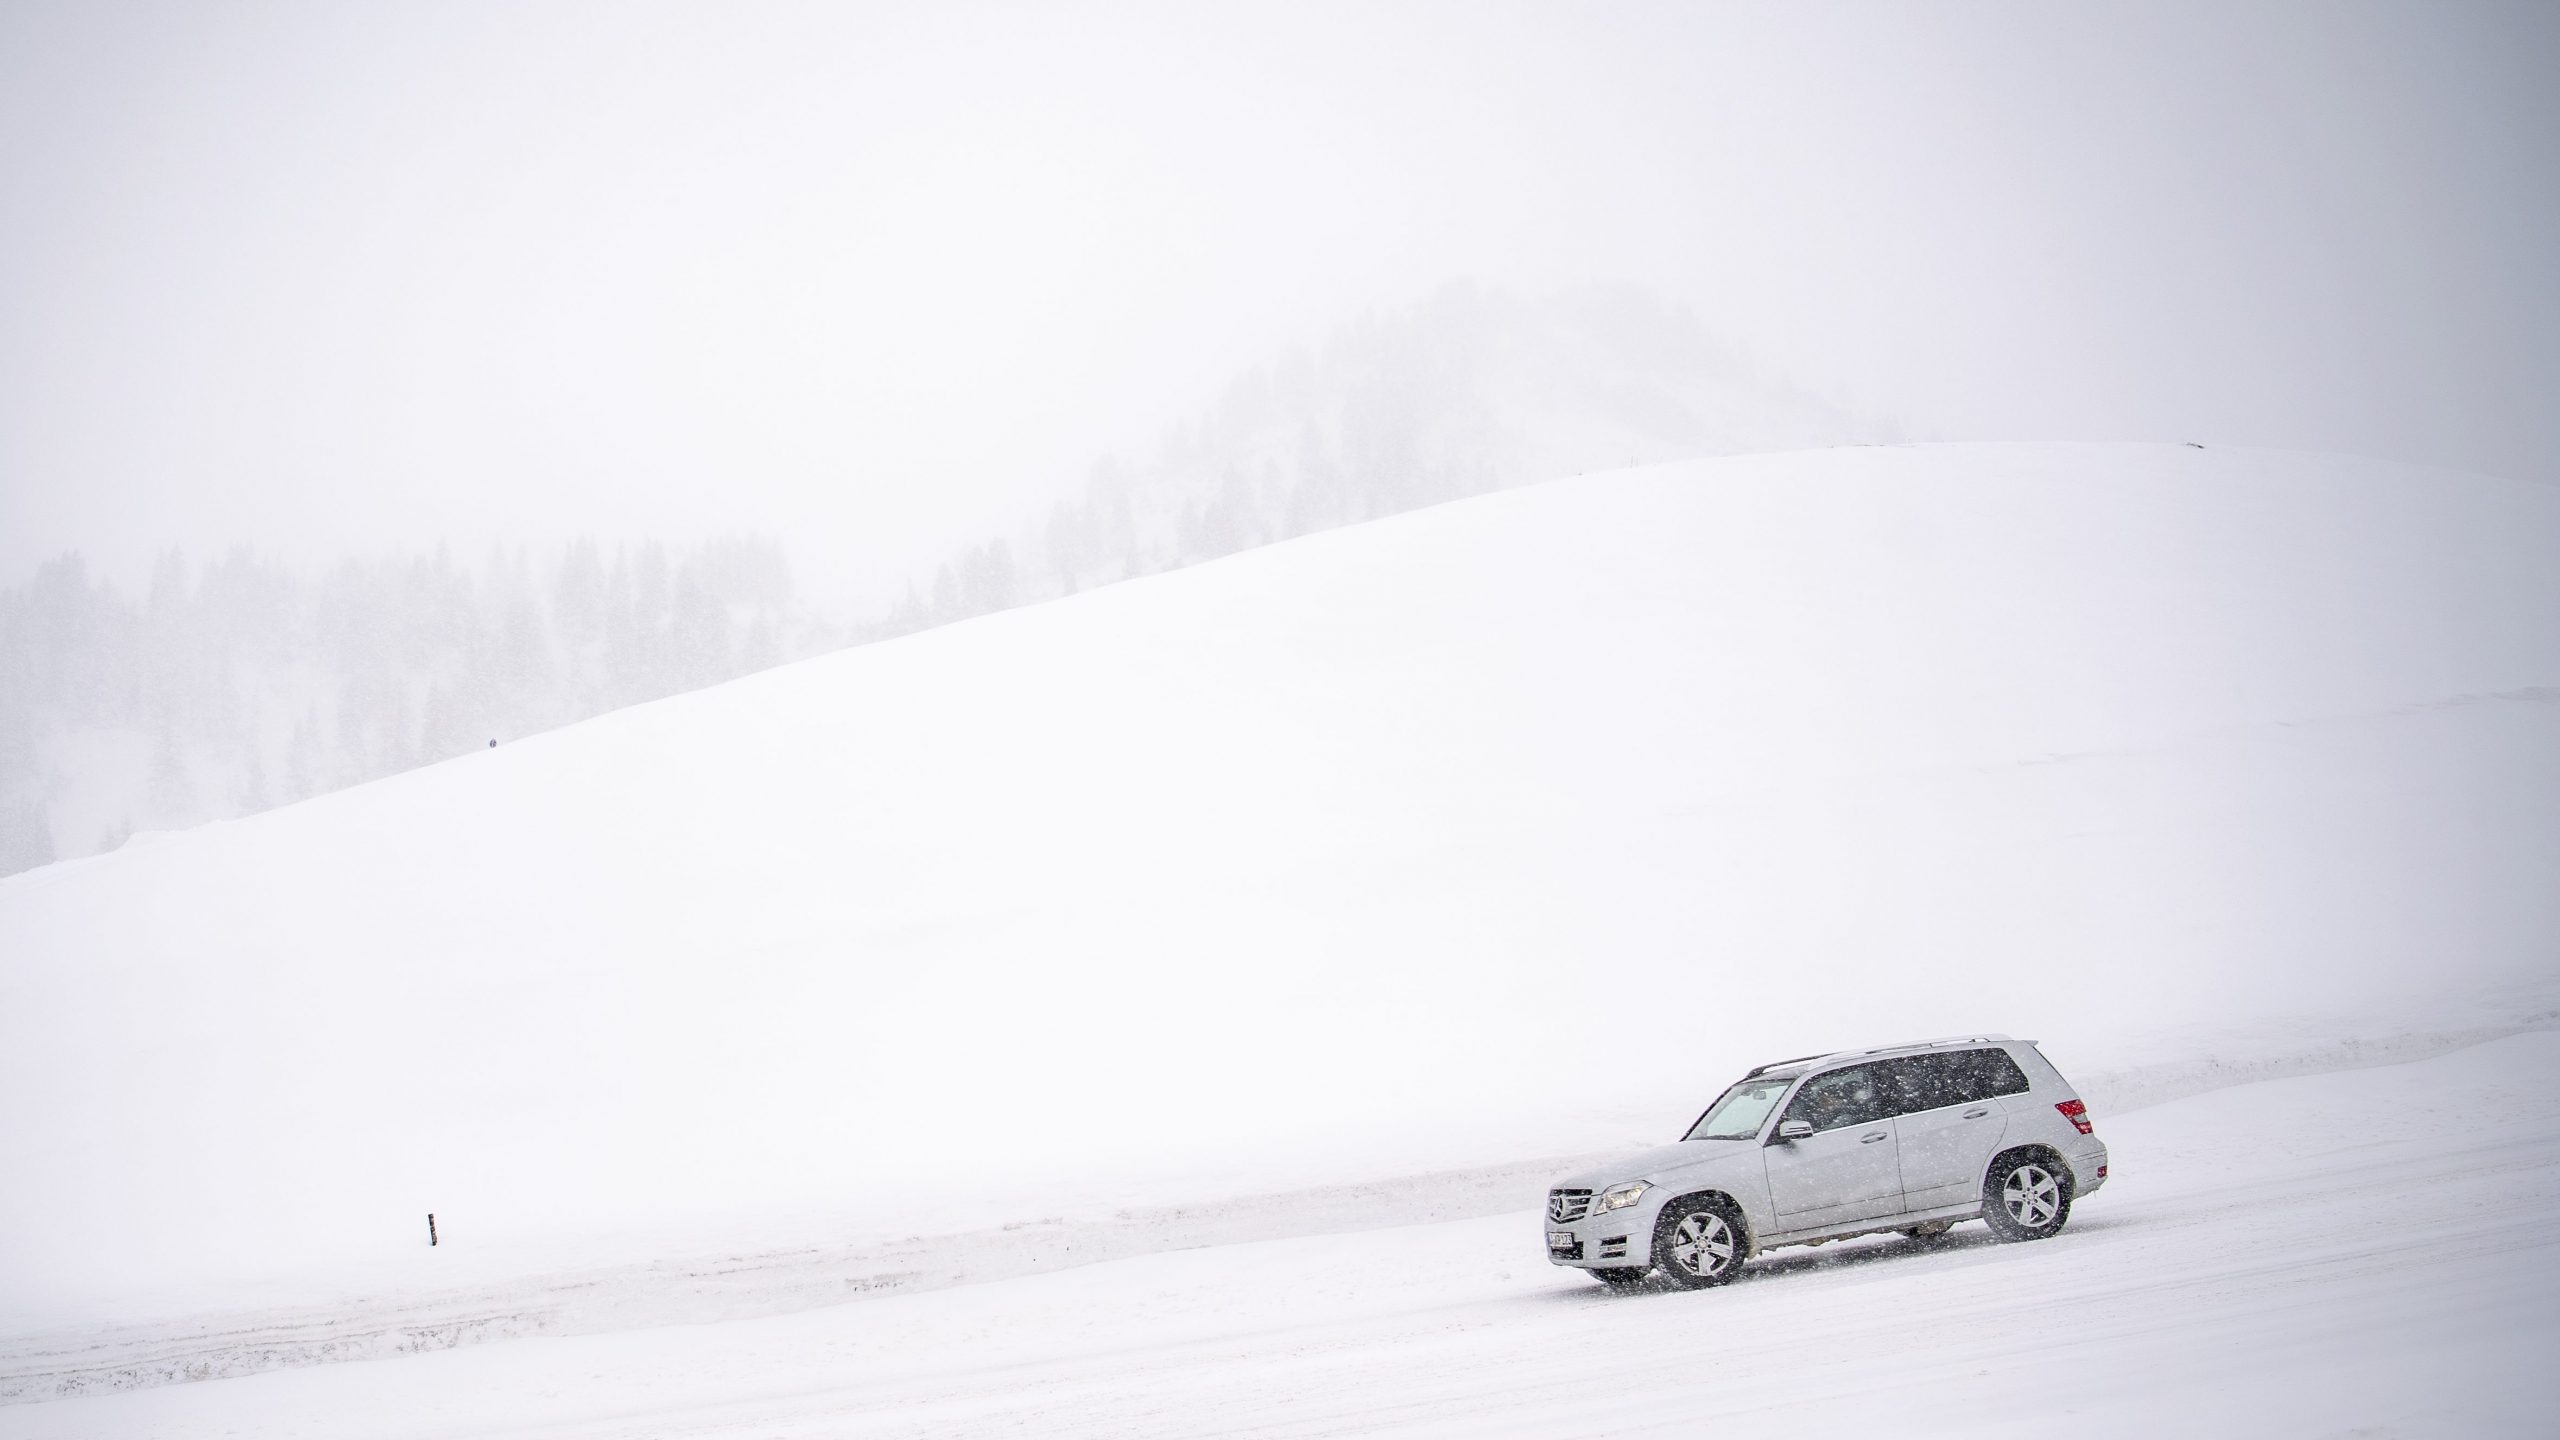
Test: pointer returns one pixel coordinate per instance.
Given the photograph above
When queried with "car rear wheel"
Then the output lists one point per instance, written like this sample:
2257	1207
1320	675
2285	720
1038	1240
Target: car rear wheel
2026	1197
1699	1243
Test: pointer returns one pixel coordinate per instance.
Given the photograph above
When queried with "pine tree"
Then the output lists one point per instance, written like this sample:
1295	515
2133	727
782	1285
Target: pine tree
252	797
171	790
26	836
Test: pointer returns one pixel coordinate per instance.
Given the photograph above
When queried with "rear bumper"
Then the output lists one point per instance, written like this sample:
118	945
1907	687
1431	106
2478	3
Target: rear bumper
2088	1166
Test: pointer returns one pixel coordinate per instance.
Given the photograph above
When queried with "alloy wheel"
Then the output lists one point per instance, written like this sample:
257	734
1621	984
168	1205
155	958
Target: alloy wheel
1703	1244
2032	1195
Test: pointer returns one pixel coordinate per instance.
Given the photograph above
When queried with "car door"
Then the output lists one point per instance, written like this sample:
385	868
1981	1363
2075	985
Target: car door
1953	1124
1847	1169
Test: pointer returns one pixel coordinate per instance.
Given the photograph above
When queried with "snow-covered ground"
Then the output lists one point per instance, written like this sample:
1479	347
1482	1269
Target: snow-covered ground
2369	1252
1503	830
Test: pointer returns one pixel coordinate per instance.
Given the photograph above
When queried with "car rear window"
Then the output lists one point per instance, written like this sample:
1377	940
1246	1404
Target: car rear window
1981	1074
1952	1077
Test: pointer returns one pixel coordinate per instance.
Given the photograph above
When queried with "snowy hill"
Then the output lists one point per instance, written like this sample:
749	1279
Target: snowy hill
1504	828
227	688
1466	391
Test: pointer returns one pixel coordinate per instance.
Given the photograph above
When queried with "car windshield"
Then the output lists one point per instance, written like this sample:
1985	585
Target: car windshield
1738	1113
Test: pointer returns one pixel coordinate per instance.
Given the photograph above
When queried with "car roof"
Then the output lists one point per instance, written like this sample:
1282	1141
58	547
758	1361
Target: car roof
1789	1069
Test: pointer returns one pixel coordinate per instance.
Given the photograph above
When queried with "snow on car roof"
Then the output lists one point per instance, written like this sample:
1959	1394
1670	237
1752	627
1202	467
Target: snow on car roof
1789	1069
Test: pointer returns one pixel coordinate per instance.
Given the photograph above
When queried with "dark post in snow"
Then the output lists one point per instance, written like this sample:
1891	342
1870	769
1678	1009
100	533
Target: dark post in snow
431	1229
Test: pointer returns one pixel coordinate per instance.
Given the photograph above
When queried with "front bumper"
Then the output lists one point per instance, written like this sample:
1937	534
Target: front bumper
1604	1242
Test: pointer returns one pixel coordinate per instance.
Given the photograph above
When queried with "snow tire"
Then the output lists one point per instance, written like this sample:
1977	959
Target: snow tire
2026	1196
1699	1242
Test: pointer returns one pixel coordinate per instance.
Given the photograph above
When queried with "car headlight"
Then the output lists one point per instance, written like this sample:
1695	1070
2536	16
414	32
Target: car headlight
1619	1197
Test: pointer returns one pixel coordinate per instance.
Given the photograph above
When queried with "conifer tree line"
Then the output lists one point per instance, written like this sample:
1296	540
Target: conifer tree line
1468	390
228	687
231	686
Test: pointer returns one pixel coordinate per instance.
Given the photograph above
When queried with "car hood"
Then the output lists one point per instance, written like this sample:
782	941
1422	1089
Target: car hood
1658	1162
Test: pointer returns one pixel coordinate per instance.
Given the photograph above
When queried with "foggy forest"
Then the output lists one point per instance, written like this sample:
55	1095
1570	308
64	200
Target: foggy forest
231	682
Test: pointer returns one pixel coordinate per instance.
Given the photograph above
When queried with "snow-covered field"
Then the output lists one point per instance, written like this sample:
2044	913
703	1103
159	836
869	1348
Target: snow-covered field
1431	846
2360	1253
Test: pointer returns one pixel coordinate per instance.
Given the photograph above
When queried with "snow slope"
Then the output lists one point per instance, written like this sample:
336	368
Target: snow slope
2368	1253
1499	830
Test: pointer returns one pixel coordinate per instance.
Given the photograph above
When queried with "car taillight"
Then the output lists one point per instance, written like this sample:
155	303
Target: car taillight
2078	1115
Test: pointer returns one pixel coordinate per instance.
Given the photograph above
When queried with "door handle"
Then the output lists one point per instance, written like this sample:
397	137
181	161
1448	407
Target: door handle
1975	1114
1870	1139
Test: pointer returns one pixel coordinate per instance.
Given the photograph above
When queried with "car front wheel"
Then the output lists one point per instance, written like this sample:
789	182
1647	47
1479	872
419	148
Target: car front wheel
1699	1243
2026	1197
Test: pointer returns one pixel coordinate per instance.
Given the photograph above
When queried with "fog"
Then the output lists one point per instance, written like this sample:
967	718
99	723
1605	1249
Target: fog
794	671
376	382
882	279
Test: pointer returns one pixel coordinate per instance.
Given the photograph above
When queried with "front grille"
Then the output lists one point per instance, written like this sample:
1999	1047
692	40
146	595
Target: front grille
1565	1205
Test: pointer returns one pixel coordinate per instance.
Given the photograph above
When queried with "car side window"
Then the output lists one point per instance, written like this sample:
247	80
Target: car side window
1919	1082
1981	1074
1840	1097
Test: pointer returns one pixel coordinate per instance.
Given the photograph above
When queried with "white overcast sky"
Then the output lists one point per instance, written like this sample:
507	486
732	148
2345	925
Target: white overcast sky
344	275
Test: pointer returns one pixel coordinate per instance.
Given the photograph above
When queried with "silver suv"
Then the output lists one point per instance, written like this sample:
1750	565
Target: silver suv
1910	1137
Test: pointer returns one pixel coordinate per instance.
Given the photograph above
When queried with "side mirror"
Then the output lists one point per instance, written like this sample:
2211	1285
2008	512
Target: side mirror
1795	1130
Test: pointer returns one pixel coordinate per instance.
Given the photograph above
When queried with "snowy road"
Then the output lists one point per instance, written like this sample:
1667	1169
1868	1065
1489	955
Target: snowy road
2371	1253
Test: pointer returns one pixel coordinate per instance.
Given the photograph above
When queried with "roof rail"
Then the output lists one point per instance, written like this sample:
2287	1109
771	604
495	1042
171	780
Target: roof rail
1986	1039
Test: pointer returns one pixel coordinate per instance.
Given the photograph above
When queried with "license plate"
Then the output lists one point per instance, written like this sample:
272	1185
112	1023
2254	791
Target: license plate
1559	1239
